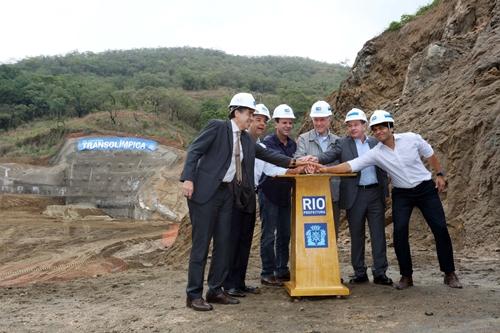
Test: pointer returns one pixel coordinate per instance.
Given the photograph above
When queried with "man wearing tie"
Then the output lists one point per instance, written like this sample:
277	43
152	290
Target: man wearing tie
215	168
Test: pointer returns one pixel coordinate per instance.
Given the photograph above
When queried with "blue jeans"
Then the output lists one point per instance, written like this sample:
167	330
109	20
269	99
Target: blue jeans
425	197
275	237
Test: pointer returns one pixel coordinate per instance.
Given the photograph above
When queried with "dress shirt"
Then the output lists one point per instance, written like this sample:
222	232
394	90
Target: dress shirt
403	164
266	168
322	141
231	171
368	174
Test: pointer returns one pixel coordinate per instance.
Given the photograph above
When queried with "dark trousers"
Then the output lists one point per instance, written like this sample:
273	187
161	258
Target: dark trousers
275	237
209	220
368	205
336	218
425	197
242	227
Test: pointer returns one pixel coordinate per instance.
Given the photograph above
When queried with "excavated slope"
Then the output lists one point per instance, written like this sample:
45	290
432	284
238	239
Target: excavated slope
440	77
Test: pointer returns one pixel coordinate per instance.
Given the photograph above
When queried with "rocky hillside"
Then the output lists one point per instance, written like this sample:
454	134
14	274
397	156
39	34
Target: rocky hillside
440	76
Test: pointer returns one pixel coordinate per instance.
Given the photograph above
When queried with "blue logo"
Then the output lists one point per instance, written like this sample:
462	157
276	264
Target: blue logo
116	143
353	113
313	206
316	235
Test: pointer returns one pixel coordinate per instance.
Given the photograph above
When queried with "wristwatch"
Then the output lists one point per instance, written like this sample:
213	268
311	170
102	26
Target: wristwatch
441	173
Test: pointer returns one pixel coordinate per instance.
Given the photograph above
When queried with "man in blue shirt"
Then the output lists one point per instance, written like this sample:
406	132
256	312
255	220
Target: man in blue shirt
275	205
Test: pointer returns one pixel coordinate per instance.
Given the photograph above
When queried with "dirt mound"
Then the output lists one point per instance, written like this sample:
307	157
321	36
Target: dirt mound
440	76
74	212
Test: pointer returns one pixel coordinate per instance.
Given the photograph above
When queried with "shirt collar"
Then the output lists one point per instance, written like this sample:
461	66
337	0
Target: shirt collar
234	126
322	136
361	142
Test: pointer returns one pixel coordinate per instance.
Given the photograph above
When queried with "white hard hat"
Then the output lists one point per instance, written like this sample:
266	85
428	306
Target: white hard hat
243	99
283	111
262	110
380	116
320	109
355	114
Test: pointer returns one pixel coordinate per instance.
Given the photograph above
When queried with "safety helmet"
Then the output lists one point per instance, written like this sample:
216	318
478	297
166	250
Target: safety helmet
355	114
242	99
261	109
283	111
320	109
380	117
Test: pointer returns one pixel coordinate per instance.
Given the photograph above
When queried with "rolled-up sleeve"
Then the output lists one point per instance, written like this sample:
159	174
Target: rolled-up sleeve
366	160
424	148
272	170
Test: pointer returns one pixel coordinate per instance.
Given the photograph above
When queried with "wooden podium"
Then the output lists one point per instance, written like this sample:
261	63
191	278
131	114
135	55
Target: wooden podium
314	262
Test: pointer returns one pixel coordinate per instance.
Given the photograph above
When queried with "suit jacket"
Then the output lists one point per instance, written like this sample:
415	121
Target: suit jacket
209	156
345	150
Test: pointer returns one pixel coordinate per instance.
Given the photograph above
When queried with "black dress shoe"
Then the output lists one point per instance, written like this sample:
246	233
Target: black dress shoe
221	298
383	280
271	281
235	292
359	279
284	277
251	290
198	304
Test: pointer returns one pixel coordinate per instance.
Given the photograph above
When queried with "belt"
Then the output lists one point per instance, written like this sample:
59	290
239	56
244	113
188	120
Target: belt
365	187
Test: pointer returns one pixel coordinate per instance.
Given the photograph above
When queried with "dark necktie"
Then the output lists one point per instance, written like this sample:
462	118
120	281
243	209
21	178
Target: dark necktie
237	159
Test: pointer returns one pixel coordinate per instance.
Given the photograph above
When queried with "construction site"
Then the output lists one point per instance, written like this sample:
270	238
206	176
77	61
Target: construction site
97	237
99	241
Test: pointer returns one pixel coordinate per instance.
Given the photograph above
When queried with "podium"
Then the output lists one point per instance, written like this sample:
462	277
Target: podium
314	262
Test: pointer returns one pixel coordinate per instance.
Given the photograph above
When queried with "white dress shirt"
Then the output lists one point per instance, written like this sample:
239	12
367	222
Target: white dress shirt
232	167
266	168
403	164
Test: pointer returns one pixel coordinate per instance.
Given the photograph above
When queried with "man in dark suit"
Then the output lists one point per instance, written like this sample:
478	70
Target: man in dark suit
216	174
363	198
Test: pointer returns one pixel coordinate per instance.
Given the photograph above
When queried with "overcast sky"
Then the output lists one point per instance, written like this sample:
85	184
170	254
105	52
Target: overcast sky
325	30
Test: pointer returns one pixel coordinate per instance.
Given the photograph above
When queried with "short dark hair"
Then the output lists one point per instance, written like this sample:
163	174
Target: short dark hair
232	109
387	124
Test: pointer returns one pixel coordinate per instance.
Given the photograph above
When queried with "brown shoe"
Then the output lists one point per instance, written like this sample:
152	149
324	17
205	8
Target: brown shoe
404	283
221	298
198	304
271	281
452	281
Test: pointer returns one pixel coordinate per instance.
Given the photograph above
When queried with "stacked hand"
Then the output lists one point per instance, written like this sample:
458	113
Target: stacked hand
312	165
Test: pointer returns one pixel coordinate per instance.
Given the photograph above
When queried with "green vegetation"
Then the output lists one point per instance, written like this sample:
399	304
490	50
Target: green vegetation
179	85
405	18
42	139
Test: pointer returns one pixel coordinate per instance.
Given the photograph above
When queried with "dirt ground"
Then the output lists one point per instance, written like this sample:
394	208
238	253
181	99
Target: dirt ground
96	275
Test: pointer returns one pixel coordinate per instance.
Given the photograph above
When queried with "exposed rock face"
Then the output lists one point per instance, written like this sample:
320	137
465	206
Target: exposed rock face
440	77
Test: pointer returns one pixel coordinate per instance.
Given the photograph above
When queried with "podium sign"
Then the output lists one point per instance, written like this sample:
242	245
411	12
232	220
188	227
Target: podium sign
314	262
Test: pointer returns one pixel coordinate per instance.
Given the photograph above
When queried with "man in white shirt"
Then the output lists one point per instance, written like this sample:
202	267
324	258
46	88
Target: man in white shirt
400	156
